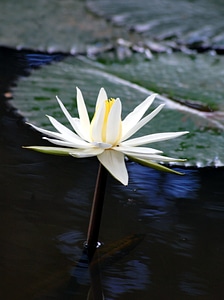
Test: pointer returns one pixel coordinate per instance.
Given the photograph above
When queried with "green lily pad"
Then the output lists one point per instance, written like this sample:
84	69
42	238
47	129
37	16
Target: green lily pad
78	26
186	22
203	146
193	80
53	26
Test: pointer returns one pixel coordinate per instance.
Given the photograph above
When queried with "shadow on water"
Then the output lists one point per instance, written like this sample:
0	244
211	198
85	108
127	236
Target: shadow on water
162	235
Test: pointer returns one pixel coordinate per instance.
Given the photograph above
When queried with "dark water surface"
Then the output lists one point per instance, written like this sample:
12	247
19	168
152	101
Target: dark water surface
162	235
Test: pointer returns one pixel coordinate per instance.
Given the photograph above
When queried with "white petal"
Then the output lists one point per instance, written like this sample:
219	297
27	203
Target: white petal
83	153
136	150
141	123
66	113
80	130
114	162
152	138
145	153
102	96
66	132
83	114
133	117
47	132
67	144
101	145
75	139
97	124
114	123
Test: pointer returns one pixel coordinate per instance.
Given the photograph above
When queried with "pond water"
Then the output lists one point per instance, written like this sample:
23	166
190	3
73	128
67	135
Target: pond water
162	235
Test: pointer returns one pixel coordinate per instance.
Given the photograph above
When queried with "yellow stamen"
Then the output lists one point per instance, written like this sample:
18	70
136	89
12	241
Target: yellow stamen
108	105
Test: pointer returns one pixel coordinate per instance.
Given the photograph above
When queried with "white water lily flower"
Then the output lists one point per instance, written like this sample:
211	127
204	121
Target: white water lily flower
106	135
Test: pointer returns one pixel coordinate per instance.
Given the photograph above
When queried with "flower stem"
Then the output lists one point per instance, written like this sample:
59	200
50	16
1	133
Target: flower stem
96	211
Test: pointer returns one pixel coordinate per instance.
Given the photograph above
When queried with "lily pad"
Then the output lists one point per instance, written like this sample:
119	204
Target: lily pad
185	22
77	26
196	81
133	82
51	26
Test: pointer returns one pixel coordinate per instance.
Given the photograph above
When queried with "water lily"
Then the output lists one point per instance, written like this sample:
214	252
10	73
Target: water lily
107	136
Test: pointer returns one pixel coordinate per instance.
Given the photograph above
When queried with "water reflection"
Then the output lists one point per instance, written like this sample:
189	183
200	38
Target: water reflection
179	215
164	185
193	285
132	276
71	244
174	258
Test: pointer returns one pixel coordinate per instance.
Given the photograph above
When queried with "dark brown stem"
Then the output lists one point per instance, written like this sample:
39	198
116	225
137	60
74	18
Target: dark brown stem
96	211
